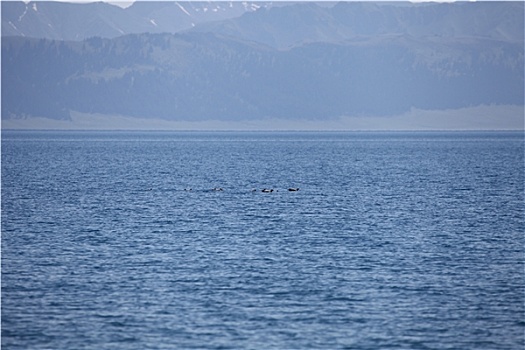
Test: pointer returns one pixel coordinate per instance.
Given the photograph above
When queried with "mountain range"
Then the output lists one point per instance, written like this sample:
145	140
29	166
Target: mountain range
299	61
273	23
78	21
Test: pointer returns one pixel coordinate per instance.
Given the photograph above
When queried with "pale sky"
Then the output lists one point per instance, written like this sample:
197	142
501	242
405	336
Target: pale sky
125	4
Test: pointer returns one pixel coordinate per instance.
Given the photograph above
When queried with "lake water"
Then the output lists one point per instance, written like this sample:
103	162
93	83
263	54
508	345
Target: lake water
393	241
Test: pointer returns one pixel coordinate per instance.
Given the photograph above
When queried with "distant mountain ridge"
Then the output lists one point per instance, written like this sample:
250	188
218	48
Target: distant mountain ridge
308	22
278	24
78	21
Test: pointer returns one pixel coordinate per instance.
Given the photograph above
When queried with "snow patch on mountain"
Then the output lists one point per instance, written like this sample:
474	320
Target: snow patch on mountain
182	8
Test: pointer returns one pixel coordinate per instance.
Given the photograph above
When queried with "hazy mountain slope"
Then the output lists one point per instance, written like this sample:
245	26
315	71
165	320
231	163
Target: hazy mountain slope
201	76
305	22
299	61
279	24
174	16
68	21
77	21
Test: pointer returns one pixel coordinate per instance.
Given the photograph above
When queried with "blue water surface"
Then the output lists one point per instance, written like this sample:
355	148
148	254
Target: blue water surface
393	241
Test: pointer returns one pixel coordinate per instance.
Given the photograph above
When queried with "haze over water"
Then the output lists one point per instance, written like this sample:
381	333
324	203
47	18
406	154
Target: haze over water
393	241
